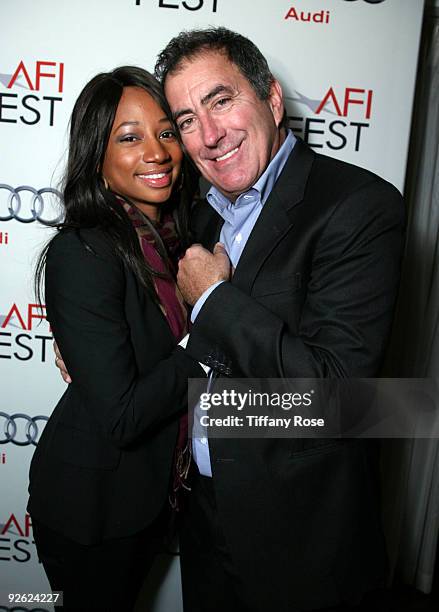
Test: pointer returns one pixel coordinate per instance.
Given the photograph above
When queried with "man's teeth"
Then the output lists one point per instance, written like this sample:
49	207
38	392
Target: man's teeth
227	155
153	176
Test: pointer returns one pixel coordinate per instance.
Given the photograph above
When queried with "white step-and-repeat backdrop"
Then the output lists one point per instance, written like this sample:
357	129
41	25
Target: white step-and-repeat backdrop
348	70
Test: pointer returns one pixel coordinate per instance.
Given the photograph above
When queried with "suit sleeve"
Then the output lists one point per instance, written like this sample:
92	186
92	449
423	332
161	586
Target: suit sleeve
85	299
348	308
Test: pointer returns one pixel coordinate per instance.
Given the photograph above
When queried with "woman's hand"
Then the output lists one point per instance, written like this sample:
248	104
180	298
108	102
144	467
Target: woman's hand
60	364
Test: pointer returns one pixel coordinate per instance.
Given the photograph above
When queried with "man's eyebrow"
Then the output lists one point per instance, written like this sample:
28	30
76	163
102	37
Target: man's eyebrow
214	92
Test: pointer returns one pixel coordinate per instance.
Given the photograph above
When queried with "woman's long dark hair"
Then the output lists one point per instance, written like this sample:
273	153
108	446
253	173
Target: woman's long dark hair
87	202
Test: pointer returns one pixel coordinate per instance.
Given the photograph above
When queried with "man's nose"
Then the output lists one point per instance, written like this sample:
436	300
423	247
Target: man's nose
212	131
155	151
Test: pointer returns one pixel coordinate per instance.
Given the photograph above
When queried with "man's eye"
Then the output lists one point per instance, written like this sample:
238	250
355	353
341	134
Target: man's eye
186	124
222	102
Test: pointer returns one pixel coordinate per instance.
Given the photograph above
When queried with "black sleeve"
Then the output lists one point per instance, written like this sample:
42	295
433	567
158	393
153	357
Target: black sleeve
85	293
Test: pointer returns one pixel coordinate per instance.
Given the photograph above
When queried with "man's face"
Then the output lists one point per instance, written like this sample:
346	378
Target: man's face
230	133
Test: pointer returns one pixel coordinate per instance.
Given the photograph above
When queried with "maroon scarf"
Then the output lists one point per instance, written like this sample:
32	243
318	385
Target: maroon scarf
172	305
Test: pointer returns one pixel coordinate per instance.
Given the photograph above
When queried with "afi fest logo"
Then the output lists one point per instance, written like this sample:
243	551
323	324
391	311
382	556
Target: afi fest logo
189	5
339	119
18	338
16	538
30	92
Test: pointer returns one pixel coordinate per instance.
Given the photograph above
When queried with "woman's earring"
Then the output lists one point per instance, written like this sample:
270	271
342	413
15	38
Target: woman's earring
180	187
104	180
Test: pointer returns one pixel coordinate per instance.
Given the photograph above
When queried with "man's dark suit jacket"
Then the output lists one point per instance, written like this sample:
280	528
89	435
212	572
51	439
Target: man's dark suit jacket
102	467
312	296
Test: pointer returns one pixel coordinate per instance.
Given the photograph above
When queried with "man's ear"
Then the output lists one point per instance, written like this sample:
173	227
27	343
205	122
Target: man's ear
276	101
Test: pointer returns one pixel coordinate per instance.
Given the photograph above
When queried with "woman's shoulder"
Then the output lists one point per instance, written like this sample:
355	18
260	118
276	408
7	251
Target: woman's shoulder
93	241
83	260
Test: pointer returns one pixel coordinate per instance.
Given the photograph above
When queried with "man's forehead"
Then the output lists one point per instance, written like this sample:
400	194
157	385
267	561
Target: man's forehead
219	56
202	77
213	63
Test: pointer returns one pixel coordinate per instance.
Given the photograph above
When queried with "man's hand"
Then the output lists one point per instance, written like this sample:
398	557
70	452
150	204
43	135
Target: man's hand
60	364
199	269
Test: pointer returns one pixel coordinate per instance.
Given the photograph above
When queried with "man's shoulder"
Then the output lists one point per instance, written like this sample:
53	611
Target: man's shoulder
331	179
325	169
354	191
327	183
344	174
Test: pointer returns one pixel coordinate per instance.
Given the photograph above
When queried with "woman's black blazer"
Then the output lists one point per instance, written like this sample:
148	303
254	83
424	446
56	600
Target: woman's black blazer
102	467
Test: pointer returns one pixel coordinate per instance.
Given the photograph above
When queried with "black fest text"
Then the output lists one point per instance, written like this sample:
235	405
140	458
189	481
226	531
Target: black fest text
189	5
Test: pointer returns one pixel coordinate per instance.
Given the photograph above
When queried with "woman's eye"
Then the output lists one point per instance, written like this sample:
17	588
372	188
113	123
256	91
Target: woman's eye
168	134
128	138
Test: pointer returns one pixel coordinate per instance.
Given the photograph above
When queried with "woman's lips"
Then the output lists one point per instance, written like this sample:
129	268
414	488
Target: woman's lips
156	179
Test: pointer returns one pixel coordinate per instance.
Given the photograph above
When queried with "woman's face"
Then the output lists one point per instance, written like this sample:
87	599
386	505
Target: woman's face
143	157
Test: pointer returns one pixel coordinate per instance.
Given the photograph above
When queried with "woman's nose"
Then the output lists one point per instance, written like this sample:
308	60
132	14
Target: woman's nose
155	151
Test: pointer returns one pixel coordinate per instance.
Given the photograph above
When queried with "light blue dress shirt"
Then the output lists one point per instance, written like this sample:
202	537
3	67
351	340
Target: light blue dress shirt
239	220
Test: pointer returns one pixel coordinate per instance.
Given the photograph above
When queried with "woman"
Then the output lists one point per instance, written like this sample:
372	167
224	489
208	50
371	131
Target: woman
99	478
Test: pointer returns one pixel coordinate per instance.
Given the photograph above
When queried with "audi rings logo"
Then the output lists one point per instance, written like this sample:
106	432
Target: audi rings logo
37	207
20	429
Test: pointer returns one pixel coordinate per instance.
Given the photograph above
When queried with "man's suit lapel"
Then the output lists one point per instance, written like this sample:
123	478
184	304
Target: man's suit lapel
277	216
212	230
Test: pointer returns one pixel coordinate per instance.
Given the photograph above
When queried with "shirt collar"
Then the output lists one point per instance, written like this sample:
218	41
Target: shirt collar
263	186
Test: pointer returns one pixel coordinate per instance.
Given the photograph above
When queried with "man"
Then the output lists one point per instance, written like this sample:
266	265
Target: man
315	244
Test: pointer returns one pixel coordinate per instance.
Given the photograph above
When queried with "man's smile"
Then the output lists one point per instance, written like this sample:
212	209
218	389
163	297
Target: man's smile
227	155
